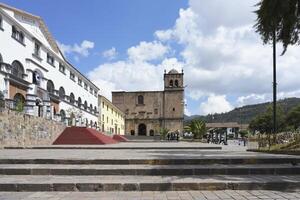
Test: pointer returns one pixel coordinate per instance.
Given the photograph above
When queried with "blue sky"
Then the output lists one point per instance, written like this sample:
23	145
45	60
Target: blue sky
127	45
118	23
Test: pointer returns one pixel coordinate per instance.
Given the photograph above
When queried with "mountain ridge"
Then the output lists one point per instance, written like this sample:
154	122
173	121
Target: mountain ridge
244	114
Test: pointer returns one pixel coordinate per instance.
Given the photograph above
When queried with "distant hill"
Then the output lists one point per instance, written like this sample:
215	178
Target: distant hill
246	113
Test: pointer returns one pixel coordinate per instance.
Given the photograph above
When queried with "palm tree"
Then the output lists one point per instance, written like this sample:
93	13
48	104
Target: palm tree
278	21
197	127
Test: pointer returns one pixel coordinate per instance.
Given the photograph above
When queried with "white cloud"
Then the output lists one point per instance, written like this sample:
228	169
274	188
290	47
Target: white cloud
82	49
220	53
110	54
251	99
147	51
215	104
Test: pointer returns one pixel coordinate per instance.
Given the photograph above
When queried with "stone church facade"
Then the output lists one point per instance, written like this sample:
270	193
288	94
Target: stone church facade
146	112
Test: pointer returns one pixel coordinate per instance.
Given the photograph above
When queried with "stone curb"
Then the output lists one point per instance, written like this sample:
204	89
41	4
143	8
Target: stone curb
156	161
92	187
210	170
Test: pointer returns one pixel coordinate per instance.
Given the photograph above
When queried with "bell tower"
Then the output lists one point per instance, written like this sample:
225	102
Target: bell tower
173	80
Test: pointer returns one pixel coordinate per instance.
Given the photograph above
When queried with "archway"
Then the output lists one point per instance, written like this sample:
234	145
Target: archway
19	100
142	129
151	132
62	115
39	104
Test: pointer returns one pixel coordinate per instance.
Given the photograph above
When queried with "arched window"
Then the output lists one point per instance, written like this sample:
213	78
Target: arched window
17	69
50	86
72	98
91	107
62	115
95	109
140	99
176	83
171	83
79	102
61	93
85	105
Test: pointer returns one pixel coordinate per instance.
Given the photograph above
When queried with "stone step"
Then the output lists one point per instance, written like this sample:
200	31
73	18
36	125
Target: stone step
147	183
148	170
163	161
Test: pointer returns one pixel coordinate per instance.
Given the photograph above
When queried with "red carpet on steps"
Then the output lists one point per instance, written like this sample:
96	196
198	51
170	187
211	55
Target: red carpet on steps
82	135
120	138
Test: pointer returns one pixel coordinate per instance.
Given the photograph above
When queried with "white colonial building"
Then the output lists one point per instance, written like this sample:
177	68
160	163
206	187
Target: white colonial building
35	76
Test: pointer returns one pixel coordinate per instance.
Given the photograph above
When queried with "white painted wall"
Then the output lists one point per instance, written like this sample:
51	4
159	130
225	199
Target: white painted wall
11	50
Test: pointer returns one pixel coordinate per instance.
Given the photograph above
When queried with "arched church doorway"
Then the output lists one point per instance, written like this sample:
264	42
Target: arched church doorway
142	129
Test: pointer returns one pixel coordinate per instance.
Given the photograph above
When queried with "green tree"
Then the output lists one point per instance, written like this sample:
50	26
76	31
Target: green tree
197	127
293	117
20	106
2	101
279	17
278	21
263	123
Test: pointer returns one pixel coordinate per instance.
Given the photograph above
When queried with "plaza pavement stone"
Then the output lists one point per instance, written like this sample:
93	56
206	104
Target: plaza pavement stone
168	195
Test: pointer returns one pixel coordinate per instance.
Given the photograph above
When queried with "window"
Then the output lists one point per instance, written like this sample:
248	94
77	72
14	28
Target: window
37	49
17	69
18	35
103	117
171	83
85	105
102	104
95	93
79	102
91	90
106	119
107	107
91	107
50	59
72	76
79	82
50	86
62	68
61	93
173	109
176	83
72	98
140	99
156	111
95	109
85	86
112	122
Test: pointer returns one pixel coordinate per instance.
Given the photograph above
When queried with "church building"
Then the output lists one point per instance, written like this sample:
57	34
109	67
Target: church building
147	112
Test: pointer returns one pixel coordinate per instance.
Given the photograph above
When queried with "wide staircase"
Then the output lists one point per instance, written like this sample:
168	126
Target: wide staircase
163	174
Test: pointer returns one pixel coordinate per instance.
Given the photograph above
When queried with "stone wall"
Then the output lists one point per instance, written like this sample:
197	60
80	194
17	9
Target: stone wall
17	129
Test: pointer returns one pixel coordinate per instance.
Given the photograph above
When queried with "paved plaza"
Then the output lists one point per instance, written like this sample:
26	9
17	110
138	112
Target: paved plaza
169	195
